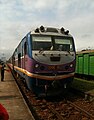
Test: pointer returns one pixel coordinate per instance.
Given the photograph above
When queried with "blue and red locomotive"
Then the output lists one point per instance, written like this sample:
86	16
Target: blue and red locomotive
45	57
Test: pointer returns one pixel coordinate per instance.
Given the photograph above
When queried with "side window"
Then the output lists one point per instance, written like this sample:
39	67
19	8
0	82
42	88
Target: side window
25	48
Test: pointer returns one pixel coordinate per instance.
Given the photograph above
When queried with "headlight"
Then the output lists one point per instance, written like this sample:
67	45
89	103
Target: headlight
71	65
36	66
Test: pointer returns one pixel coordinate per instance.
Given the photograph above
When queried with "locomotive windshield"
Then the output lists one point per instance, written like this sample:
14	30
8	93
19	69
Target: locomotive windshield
52	43
63	44
43	42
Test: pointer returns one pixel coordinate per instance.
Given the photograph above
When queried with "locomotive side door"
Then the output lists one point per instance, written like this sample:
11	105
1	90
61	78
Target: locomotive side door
19	60
25	53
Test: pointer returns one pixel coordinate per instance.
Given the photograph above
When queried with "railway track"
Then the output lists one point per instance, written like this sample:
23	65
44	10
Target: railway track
74	108
65	110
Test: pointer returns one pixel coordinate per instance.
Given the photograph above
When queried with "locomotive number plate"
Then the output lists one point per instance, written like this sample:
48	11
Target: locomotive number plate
54	67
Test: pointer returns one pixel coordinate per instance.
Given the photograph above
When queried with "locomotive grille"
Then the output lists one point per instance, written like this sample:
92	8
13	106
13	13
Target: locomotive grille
55	58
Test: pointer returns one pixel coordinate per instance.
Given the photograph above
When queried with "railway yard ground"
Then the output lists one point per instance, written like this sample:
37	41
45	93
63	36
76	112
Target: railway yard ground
11	98
68	107
86	86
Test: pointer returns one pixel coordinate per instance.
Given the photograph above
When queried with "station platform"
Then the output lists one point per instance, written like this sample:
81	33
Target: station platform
12	100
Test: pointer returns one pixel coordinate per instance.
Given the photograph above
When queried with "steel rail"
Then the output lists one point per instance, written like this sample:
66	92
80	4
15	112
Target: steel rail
87	113
56	113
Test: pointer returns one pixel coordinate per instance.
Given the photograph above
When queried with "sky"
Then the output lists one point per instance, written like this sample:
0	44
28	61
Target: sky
18	17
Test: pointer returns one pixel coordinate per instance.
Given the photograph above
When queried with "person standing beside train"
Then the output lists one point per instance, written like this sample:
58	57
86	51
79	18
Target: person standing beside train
2	71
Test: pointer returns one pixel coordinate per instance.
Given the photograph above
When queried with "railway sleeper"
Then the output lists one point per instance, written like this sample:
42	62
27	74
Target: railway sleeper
89	97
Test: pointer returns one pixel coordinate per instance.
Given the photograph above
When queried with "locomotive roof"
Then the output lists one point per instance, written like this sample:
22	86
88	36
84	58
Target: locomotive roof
50	31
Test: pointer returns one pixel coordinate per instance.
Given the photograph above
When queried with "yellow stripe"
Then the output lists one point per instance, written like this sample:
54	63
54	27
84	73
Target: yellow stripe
44	76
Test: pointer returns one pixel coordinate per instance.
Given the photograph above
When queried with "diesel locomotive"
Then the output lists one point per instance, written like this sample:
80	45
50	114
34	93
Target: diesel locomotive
45	58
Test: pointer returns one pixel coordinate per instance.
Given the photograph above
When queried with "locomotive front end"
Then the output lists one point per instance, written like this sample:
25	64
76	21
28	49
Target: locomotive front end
53	56
45	59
